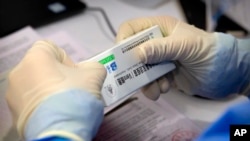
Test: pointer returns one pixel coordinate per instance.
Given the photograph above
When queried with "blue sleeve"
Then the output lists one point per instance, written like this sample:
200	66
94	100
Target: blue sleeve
53	139
69	114
243	60
220	130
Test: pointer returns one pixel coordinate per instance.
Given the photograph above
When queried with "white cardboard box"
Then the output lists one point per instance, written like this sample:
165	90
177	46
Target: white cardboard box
125	72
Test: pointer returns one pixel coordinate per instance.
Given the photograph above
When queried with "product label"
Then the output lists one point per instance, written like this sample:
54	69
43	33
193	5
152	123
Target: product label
125	72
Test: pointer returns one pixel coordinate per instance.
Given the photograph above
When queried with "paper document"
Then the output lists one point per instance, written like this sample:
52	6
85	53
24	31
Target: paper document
13	47
140	119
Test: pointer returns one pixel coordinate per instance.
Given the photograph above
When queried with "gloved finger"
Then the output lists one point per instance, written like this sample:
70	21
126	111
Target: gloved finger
165	49
164	84
95	73
47	51
131	27
152	90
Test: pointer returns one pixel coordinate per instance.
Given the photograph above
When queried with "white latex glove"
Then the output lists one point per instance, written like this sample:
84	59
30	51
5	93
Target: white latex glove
211	65
44	71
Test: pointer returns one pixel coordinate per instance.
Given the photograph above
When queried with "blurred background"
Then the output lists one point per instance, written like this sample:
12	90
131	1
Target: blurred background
229	16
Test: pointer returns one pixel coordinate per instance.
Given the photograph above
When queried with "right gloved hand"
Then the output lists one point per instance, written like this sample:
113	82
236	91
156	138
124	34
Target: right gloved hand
210	65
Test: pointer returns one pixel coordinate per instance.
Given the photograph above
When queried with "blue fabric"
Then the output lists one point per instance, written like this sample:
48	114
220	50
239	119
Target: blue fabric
244	63
53	139
239	67
74	111
220	130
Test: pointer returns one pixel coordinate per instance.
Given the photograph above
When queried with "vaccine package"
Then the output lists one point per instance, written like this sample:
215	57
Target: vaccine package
125	72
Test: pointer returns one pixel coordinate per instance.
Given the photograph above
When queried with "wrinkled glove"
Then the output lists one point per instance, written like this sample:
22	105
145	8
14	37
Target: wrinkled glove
44	73
211	65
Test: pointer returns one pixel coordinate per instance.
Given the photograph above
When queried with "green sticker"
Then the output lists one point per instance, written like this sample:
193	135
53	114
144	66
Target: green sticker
107	59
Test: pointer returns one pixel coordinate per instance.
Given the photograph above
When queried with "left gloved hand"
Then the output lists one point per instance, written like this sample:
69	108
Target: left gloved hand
46	70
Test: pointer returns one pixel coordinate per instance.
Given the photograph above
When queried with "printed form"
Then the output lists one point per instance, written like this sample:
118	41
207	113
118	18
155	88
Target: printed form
141	119
133	118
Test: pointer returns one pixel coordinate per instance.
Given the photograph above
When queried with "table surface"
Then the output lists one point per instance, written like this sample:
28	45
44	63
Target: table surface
90	30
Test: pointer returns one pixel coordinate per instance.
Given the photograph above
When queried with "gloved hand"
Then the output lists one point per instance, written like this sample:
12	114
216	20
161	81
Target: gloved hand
45	72
211	65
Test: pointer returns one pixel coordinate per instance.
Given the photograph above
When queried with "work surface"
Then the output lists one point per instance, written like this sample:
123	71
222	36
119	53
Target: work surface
91	31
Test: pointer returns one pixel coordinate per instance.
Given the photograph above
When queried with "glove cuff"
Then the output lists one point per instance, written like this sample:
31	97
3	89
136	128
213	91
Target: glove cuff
61	134
73	114
235	54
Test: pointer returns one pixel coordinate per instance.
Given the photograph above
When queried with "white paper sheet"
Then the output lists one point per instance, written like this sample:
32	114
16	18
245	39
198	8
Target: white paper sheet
14	46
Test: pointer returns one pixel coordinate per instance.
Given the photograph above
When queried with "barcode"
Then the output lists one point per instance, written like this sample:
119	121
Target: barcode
136	43
123	79
140	70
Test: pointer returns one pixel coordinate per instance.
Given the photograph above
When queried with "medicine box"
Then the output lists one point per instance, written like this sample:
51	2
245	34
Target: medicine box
125	72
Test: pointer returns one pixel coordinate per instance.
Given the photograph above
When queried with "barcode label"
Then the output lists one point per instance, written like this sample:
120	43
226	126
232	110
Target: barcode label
122	80
140	70
134	73
136	43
